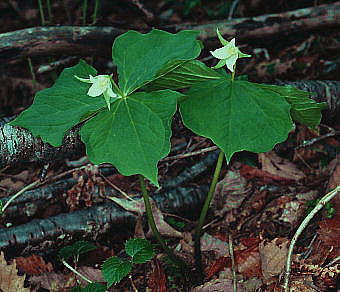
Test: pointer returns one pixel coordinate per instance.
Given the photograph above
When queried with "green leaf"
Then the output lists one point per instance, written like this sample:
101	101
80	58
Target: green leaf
139	249
114	270
134	135
57	109
303	109
237	115
139	57
92	287
183	74
76	249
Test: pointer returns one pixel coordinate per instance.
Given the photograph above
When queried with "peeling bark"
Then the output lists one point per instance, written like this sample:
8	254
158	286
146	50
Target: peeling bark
19	145
97	220
97	41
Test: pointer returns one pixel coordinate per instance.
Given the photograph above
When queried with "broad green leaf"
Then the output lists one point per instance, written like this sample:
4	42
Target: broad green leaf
164	104
303	109
140	250
92	287
76	249
139	57
114	270
237	115
183	74
57	109
134	135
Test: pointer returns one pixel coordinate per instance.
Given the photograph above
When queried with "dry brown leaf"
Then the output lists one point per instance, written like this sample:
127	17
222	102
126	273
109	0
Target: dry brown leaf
218	285
33	265
279	166
157	279
273	256
334	169
9	279
230	193
93	274
330	231
248	262
211	243
54	282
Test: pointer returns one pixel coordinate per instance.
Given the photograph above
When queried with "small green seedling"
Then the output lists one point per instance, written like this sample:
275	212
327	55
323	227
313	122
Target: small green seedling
114	269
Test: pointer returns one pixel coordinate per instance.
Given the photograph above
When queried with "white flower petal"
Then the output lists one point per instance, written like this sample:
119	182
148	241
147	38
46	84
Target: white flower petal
86	80
220	53
95	90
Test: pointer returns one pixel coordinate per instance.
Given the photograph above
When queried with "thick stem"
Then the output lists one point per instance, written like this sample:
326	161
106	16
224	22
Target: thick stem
204	212
153	226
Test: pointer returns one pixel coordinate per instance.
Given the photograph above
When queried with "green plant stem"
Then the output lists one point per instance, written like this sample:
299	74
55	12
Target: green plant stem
324	200
116	87
42	15
34	81
75	271
49	11
18	194
84	11
95	12
153	226
204	212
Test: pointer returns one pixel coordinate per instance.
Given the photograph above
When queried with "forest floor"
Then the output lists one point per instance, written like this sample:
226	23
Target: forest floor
260	200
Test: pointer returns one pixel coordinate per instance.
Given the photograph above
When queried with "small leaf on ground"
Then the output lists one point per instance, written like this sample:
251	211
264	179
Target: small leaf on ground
114	270
139	249
76	249
33	265
54	282
273	256
92	287
9	279
281	167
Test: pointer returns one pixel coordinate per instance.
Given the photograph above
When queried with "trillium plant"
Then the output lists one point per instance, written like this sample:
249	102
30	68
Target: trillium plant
128	123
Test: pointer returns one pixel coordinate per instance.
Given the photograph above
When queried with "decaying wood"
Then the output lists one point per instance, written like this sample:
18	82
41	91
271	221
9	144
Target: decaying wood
97	41
97	220
19	145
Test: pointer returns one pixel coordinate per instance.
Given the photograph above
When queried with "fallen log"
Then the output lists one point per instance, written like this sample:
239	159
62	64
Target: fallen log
96	221
18	145
97	41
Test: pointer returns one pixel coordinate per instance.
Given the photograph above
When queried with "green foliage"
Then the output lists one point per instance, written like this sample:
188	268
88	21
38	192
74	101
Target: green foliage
114	269
76	249
92	287
139	57
330	211
238	115
57	109
140	250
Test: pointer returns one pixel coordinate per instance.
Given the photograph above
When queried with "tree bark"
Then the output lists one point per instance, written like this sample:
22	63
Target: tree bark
97	220
19	145
97	41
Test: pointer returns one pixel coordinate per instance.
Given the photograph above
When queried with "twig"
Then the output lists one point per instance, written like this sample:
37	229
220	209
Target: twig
306	143
326	198
232	9
30	186
179	156
75	271
149	15
233	264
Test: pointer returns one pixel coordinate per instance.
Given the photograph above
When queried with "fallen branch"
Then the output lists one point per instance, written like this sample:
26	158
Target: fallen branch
98	220
97	41
19	145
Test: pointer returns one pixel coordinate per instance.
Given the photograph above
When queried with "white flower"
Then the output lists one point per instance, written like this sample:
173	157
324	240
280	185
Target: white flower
101	84
228	54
